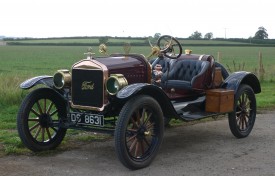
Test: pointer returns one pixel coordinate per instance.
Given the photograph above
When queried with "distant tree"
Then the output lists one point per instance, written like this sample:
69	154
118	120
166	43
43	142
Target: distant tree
153	39
261	33
208	35
196	35
103	39
157	35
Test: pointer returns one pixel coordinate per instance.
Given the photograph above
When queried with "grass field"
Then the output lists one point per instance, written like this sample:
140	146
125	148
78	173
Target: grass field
18	63
94	40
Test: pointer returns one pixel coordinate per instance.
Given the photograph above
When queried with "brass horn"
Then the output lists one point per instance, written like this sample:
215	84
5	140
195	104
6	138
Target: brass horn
102	49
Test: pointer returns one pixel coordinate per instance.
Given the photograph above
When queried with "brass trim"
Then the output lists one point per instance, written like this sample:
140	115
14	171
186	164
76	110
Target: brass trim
66	76
102	49
88	107
88	64
122	82
188	51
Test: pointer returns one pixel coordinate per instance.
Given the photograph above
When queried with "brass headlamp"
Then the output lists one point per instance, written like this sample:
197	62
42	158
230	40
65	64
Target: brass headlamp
115	83
62	78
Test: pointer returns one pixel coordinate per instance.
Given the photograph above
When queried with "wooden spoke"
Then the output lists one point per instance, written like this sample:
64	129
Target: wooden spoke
39	107
133	145
131	138
37	132
146	142
246	99
48	133
138	117
132	130
34	126
245	121
137	149
43	134
150	125
142	147
147	119
242	98
134	123
54	112
34	120
238	112
49	108
36	113
54	129
45	104
143	115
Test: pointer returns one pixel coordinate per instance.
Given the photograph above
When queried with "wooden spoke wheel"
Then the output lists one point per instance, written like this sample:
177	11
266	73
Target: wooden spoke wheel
242	119
39	119
139	132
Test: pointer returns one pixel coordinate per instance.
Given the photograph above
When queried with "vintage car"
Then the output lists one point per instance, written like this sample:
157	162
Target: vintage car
133	98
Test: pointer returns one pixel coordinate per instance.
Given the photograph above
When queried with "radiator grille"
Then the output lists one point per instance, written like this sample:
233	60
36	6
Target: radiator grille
87	87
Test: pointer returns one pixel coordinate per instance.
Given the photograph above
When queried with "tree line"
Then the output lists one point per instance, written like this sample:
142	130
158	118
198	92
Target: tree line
260	34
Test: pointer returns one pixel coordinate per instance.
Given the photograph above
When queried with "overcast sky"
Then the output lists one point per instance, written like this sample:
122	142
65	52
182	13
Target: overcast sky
180	18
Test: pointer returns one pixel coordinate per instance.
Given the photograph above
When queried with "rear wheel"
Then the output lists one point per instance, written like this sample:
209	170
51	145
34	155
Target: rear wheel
139	132
242	119
39	120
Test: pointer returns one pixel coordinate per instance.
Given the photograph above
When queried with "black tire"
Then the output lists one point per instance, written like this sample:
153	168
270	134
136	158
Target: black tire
166	121
242	119
39	118
139	132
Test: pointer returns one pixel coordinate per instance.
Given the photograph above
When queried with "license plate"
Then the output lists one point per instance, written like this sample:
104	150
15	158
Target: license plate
87	119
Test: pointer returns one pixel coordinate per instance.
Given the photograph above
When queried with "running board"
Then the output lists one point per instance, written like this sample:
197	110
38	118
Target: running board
189	116
193	110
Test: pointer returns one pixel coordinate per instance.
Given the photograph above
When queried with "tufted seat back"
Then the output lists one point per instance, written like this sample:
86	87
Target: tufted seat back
187	74
164	62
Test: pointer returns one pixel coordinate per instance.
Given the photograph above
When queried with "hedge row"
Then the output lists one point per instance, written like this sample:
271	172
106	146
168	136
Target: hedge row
132	44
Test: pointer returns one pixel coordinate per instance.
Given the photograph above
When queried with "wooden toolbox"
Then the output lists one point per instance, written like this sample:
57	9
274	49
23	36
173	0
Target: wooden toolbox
219	100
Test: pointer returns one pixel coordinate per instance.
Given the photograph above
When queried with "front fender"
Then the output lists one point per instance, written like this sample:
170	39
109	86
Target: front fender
234	80
46	80
151	90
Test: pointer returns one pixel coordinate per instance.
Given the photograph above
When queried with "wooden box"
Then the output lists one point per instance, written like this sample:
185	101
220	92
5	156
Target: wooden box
219	100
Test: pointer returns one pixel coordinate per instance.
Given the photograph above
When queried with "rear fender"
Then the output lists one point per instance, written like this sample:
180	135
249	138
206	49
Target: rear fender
46	80
234	80
151	90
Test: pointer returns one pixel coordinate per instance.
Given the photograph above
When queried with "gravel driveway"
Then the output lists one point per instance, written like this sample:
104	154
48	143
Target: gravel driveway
206	148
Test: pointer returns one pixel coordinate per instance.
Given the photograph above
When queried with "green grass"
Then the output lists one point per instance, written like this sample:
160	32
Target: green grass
18	63
119	40
266	99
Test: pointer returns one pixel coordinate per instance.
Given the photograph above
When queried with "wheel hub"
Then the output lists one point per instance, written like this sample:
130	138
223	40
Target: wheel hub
142	132
45	120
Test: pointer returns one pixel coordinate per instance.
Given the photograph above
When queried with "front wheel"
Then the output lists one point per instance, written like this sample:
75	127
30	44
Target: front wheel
242	119
139	132
39	120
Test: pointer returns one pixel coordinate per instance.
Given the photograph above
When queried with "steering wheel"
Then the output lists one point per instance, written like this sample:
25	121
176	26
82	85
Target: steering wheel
169	46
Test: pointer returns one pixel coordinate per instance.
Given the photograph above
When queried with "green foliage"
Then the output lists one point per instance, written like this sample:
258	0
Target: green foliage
103	40
208	35
157	36
261	33
141	41
266	99
196	35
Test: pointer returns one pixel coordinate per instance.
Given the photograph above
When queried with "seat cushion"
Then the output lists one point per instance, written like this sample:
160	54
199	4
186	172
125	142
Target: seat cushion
177	84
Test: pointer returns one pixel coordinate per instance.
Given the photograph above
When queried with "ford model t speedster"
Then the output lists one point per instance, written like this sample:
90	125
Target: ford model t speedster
134	98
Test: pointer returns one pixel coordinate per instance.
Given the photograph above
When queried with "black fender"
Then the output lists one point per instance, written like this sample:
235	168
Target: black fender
46	80
234	80
151	90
